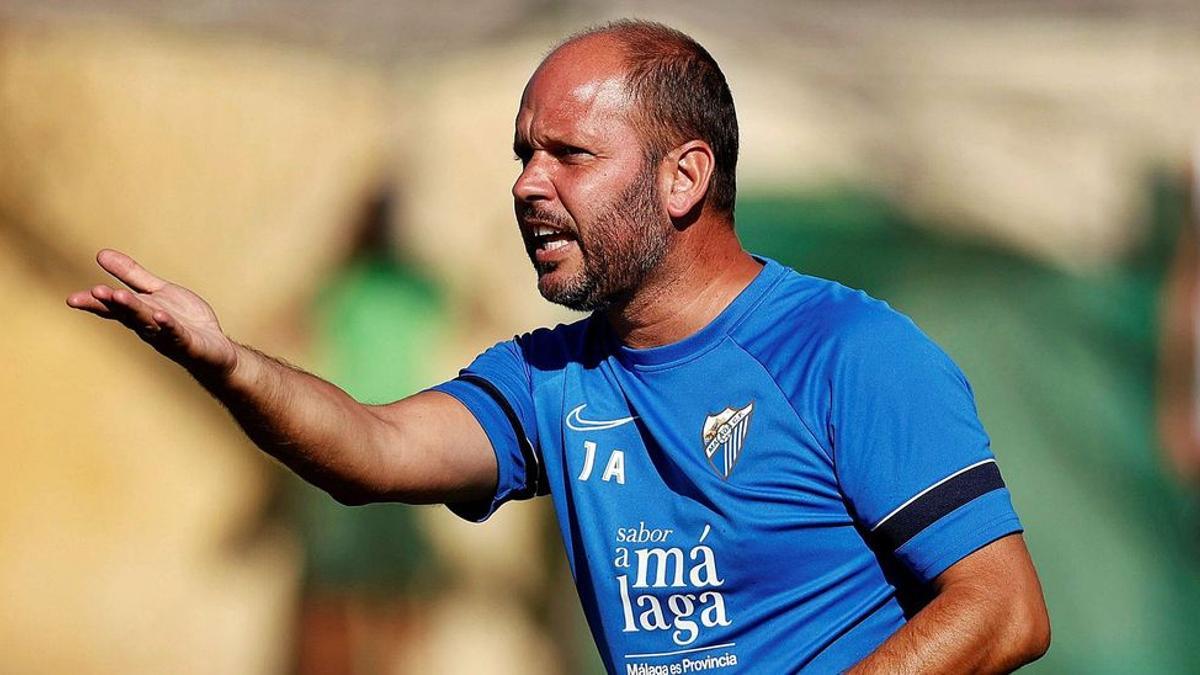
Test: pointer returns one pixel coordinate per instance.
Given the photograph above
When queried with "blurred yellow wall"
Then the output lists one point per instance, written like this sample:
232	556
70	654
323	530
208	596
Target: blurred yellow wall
129	503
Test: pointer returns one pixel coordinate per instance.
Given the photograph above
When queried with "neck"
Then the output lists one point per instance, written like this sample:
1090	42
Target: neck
704	271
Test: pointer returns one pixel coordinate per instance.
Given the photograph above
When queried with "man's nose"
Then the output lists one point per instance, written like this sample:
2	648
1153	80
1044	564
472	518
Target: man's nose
533	184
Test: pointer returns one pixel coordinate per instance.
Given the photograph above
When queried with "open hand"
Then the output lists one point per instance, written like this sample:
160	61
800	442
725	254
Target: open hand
175	321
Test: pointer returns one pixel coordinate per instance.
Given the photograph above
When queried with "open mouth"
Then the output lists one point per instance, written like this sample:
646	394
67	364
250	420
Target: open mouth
548	243
545	238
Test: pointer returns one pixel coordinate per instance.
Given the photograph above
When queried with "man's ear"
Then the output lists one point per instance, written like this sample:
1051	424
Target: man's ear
691	167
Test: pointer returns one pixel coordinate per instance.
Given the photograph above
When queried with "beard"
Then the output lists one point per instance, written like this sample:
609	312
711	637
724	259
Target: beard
624	243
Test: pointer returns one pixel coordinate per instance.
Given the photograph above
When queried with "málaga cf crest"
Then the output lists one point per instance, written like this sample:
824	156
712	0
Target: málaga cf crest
724	434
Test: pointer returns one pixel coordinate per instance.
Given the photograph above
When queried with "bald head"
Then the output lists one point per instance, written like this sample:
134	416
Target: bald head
584	73
676	91
592	52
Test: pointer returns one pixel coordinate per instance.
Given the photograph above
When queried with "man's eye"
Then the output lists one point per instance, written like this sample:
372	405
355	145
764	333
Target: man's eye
574	154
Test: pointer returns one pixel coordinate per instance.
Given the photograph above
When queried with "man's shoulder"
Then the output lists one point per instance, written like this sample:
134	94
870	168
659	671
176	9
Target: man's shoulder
832	327
552	348
805	309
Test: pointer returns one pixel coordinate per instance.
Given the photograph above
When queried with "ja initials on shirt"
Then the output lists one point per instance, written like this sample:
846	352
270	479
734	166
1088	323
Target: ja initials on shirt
615	468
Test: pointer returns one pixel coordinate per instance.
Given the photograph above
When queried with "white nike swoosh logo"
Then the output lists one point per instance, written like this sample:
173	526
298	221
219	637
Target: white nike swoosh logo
576	422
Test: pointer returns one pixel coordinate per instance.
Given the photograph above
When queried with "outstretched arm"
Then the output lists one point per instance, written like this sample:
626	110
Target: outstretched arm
422	449
988	617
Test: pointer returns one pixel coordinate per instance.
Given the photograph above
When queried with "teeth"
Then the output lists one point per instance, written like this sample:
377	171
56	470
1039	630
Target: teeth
542	231
557	244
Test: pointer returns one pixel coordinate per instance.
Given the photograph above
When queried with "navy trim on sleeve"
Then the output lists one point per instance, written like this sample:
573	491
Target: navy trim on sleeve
534	470
935	502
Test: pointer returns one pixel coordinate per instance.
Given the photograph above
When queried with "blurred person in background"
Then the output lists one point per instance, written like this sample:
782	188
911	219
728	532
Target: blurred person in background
1178	394
626	206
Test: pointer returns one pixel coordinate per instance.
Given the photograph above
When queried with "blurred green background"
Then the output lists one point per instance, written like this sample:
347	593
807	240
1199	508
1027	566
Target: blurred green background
333	178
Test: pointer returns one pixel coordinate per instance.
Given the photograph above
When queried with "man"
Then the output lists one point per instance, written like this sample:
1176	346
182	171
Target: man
752	469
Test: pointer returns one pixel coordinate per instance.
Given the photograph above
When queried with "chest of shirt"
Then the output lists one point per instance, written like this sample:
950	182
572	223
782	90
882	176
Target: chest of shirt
692	500
711	441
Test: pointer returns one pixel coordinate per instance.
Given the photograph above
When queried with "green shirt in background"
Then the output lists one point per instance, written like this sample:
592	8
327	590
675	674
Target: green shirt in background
376	324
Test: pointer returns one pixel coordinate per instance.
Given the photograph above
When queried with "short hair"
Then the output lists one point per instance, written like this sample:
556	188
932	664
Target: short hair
680	94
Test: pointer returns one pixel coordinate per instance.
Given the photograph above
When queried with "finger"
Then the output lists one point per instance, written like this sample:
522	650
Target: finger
126	307
101	292
168	328
128	271
83	300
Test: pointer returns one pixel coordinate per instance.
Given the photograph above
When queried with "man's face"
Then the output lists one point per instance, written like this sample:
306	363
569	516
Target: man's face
587	199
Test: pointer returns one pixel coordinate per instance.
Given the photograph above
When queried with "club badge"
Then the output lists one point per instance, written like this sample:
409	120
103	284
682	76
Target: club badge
724	434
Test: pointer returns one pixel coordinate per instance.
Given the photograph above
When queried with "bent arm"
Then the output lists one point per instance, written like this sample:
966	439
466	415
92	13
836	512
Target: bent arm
988	617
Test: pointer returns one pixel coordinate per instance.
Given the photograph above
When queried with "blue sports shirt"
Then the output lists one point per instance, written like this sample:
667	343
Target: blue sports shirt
770	494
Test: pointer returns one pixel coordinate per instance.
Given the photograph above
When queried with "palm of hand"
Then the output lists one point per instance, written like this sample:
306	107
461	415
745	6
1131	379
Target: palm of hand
195	320
172	319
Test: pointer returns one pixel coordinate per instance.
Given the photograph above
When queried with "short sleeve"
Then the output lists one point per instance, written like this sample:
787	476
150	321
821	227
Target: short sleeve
496	389
910	453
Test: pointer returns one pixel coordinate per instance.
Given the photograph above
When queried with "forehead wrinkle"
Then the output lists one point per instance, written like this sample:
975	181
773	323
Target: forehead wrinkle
581	110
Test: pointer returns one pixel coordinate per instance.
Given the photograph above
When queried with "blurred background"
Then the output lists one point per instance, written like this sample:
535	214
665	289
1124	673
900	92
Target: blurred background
334	178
